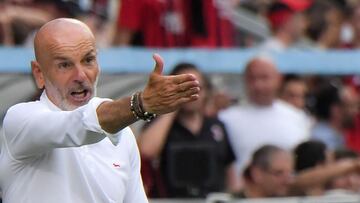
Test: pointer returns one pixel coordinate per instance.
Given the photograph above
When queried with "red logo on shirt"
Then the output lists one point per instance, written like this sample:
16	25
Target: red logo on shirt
116	165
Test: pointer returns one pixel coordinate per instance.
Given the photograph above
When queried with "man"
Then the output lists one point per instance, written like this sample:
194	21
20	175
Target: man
335	109
263	119
294	91
71	146
316	169
287	24
269	174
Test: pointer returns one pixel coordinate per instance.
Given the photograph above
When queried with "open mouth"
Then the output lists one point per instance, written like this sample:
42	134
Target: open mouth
80	95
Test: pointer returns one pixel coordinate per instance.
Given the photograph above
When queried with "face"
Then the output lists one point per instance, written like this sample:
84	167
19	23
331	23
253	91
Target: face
262	82
294	93
334	22
297	26
199	104
275	180
67	68
356	21
349	106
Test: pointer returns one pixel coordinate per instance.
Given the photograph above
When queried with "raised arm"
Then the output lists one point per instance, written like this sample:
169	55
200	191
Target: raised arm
152	139
319	176
32	131
162	94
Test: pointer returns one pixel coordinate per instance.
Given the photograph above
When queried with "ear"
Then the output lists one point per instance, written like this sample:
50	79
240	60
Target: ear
256	174
335	111
37	74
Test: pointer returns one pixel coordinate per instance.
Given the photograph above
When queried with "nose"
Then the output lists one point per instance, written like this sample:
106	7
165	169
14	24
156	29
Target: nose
80	74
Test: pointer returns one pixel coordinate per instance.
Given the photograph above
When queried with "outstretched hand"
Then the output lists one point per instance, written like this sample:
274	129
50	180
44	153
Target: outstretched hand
164	94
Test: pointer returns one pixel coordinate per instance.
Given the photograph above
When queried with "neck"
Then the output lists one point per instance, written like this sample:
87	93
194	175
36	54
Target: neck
252	191
191	120
284	38
356	42
336	125
262	104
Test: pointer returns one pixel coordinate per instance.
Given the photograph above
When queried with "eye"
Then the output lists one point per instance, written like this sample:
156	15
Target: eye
90	59
64	65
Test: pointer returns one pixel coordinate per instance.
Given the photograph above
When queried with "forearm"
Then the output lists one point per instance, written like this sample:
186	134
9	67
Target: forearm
8	39
30	16
115	115
321	175
233	181
152	139
123	37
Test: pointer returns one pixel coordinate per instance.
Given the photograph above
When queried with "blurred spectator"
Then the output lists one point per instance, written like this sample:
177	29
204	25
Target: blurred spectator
173	23
310	154
18	20
100	16
195	155
263	119
346	183
325	21
217	100
335	110
293	91
355	22
269	173
287	23
316	169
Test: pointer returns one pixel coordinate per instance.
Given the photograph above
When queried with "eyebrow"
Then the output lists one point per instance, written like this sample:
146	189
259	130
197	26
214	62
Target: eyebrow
61	58
64	58
92	51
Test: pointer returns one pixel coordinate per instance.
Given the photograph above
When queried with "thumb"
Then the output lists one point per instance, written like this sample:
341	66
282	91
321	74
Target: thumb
159	64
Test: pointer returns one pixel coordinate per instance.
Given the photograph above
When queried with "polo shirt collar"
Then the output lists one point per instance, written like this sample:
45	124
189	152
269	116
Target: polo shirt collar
45	99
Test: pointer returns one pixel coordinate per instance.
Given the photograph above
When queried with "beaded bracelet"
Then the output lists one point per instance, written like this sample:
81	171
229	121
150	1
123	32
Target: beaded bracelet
137	108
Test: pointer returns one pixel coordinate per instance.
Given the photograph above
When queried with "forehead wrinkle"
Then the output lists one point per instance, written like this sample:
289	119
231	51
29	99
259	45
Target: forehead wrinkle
68	51
56	31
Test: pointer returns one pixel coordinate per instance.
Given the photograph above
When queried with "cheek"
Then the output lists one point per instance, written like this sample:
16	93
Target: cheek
93	74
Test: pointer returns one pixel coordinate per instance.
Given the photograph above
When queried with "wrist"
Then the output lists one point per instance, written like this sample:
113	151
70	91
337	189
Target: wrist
138	110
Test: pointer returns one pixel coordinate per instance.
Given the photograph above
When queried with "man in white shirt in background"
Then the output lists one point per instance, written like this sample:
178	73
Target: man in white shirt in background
263	119
72	146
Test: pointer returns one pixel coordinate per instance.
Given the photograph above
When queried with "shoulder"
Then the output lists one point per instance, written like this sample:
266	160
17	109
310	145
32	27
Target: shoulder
232	111
214	123
287	108
292	112
23	110
27	106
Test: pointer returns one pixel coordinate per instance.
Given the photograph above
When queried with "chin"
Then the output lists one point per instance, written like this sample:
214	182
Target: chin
72	106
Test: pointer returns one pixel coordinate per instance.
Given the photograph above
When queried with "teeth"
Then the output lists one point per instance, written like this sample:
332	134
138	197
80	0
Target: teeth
79	94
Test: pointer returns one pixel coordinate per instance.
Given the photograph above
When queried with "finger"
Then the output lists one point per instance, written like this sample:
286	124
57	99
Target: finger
178	79
186	99
159	64
188	85
187	94
190	92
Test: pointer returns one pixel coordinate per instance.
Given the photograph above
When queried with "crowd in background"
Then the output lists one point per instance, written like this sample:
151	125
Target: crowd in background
306	24
292	134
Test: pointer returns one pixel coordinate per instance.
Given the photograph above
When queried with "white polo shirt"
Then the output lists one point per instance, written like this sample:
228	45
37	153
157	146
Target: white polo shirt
250	127
49	155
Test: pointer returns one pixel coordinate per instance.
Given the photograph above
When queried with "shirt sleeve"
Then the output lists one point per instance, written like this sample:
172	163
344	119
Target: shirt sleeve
135	192
32	129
